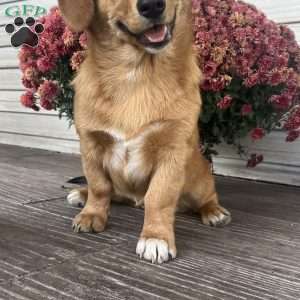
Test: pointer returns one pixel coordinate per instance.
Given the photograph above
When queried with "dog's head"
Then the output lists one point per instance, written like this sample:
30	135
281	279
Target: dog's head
148	24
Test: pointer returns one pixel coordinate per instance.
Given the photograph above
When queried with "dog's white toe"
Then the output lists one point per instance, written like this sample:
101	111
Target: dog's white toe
154	250
75	199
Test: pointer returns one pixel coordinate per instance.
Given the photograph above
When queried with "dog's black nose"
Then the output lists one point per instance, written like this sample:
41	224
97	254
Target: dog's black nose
151	9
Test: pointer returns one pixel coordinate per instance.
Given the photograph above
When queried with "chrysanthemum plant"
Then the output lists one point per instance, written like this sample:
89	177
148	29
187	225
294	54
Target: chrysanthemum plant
250	64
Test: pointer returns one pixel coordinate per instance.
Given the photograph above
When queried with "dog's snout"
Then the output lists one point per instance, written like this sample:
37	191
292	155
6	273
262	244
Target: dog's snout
151	9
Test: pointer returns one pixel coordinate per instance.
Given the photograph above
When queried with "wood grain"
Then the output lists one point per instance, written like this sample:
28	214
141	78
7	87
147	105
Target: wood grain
254	258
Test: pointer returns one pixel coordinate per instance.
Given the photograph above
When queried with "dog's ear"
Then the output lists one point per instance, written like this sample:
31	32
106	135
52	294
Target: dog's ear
78	14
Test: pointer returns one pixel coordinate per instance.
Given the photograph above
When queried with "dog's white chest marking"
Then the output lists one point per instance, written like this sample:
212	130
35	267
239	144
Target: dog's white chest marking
127	156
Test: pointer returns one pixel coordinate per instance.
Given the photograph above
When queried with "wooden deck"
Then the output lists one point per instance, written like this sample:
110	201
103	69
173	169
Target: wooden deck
256	257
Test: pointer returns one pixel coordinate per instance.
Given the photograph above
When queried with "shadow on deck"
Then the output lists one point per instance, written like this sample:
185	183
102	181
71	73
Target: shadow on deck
256	257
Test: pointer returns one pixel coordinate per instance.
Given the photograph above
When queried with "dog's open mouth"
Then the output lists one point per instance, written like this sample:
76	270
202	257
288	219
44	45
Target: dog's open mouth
157	36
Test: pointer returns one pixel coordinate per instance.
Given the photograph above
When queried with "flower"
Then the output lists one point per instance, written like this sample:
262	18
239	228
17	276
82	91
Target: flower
77	59
210	69
46	104
45	64
27	99
83	40
254	160
257	134
246	109
69	37
293	122
293	135
282	101
251	80
225	102
31	74
48	90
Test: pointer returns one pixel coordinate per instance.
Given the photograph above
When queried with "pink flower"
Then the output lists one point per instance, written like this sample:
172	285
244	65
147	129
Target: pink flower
275	77
217	84
252	80
254	160
210	69
31	74
28	99
257	133
46	104
45	64
293	135
246	109
48	90
282	101
77	59
83	40
69	37
225	103
293	122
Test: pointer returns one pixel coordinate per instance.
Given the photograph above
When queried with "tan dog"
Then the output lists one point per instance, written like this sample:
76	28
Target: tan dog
137	106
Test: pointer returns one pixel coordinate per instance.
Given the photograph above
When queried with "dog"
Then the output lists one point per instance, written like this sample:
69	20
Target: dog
136	111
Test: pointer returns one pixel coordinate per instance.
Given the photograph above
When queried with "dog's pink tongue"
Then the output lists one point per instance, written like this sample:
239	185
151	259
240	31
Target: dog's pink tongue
156	34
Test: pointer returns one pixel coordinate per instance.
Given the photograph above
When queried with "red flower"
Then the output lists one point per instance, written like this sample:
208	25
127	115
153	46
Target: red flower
257	133
254	160
46	104
45	64
282	101
252	80
246	109
28	100
225	103
48	90
210	69
293	135
83	40
77	59
293	121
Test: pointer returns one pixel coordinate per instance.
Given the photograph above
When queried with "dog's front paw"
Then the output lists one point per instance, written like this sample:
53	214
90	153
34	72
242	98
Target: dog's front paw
215	215
87	222
155	250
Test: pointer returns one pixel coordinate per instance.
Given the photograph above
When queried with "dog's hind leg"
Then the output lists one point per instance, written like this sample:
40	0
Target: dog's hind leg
201	191
78	197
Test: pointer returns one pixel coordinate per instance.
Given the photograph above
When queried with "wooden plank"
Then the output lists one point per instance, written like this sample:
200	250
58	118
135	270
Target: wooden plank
282	160
274	146
10	79
278	10
225	264
16	107
251	259
296	29
43	125
265	172
40	142
12	96
8	57
260	200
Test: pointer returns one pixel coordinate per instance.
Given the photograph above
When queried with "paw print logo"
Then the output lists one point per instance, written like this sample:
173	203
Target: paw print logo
24	32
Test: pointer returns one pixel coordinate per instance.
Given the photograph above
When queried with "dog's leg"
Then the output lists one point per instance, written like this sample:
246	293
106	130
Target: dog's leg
157	240
94	215
200	187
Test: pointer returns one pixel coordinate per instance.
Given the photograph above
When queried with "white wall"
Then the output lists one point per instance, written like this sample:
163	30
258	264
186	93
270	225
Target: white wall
18	125
24	127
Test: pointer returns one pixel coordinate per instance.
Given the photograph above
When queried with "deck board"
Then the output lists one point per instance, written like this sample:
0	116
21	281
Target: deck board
256	257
